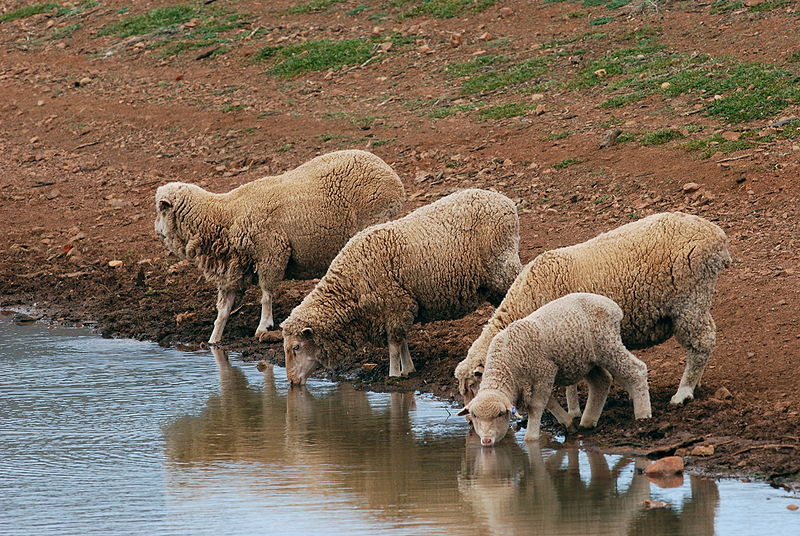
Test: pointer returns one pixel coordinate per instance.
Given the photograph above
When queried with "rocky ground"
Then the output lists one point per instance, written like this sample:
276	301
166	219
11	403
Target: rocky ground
589	114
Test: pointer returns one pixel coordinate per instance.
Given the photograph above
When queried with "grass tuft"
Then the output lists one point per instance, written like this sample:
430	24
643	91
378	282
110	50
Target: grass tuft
293	60
28	11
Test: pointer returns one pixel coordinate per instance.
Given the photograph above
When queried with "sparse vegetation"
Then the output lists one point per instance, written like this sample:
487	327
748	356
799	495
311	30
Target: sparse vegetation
318	55
567	162
442	9
488	73
28	11
660	137
312	6
503	111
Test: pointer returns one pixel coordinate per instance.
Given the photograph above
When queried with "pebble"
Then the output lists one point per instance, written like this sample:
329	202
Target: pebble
703	450
665	466
115	263
690	187
85	81
793	507
723	394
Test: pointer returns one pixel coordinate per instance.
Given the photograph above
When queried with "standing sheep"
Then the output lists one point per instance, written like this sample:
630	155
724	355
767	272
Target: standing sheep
286	226
573	337
439	262
662	271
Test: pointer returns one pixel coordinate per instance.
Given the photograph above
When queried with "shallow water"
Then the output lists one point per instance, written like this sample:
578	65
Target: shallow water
101	436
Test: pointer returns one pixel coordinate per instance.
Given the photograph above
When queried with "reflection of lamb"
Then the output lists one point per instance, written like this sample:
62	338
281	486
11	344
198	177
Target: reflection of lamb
576	336
290	225
662	271
439	262
509	494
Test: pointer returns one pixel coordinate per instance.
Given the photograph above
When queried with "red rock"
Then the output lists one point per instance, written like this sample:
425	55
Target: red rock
670	465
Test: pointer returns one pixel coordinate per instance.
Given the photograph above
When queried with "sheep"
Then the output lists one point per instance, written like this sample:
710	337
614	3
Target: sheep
439	262
285	226
573	337
662	271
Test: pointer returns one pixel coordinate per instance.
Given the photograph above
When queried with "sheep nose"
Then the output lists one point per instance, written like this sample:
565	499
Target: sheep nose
487	441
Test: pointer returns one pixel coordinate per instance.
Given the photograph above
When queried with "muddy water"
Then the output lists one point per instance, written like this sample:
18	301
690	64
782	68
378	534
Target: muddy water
119	437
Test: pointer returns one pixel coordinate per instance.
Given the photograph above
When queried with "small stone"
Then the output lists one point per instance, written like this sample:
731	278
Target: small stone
537	96
740	180
425	49
793	507
52	194
85	81
180	318
115	263
485	36
540	109
690	187
723	394
600	73
33	140
669	465
610	137
456	39
703	450
731	136
262	365
369	366
666	85
506	11
40	103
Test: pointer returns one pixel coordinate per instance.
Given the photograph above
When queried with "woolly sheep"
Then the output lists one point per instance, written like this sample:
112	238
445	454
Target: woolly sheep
286	226
662	271
573	337
439	262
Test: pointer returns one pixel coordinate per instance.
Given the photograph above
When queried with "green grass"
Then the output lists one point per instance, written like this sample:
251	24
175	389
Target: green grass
660	137
503	111
770	5
601	20
228	108
71	11
312	6
157	20
443	9
446	111
567	162
66	31
711	145
558	135
487	73
322	54
28	11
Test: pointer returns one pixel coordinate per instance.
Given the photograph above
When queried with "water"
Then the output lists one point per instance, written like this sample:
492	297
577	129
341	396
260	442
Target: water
120	437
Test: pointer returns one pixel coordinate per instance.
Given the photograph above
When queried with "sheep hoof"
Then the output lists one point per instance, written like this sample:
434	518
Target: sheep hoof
681	397
264	335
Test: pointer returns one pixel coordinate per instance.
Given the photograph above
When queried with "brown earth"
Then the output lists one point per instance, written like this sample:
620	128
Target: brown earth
92	125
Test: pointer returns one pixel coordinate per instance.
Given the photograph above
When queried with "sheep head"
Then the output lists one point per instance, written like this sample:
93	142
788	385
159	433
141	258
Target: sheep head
302	354
490	412
166	224
469	381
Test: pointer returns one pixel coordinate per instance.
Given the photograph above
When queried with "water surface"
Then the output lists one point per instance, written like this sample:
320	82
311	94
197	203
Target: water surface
102	436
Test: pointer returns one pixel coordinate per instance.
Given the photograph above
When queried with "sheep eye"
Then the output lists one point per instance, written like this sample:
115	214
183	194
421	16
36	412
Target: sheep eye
296	347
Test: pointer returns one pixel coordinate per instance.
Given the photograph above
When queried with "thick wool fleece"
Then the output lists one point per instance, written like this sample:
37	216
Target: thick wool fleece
439	262
662	271
290	225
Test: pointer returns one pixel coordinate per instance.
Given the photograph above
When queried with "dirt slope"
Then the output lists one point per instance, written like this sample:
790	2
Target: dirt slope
517	96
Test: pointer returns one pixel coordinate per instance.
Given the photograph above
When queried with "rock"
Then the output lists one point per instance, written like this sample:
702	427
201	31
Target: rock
690	187
369	366
24	318
723	394
85	81
180	318
793	507
702	450
52	194
610	137
650	503
537	96
506	11
485	36
669	465
731	136
740	180
600	73
456	39
666	85
115	263
540	109
262	365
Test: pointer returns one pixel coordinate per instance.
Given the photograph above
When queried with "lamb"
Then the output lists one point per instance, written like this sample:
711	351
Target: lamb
662	270
573	337
439	262
285	226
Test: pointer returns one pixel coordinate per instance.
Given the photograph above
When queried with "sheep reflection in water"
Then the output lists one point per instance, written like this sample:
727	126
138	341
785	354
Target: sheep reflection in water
370	454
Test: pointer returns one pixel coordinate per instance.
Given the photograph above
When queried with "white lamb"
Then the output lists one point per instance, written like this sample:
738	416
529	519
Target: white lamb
662	271
439	262
571	338
286	226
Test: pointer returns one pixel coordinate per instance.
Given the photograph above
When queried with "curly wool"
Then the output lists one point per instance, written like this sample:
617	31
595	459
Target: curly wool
286	226
439	262
562	342
662	271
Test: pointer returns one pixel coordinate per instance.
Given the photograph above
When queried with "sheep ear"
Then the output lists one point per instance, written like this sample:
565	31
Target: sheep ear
307	333
478	371
463	411
164	205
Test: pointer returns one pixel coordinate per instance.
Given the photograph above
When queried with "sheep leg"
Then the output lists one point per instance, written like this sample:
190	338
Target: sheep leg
266	321
558	412
539	397
573	401
698	334
599	382
406	364
225	299
631	374
395	357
